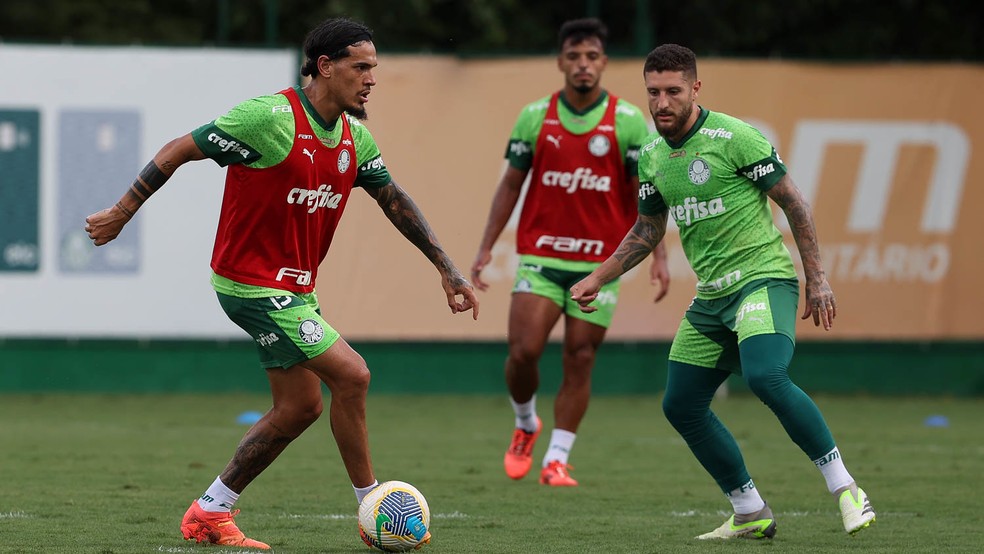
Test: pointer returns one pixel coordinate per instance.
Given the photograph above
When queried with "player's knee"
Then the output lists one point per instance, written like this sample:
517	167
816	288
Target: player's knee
309	412
676	410
523	354
765	384
298	414
579	360
356	380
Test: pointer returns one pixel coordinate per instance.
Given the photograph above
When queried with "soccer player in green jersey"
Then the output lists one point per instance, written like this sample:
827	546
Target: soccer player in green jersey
293	160
579	147
713	174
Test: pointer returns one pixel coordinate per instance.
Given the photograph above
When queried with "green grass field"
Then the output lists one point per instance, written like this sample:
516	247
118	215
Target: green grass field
114	474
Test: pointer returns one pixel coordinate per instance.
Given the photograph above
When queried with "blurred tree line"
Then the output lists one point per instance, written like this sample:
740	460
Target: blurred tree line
799	29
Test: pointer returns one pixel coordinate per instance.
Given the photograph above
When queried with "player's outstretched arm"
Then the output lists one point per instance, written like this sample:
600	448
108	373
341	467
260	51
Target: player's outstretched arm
503	203
641	239
820	301
401	210
659	271
105	225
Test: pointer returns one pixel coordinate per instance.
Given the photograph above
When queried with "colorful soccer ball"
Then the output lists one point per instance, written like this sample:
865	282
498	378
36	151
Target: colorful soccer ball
394	517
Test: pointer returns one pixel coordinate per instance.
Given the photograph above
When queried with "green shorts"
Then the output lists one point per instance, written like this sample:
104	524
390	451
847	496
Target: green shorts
553	278
710	331
287	329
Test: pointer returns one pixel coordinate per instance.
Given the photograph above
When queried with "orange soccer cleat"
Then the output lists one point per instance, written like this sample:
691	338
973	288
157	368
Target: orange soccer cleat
519	457
557	474
215	528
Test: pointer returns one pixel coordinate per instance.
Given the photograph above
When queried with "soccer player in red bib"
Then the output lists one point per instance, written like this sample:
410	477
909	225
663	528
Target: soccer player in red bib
293	160
579	146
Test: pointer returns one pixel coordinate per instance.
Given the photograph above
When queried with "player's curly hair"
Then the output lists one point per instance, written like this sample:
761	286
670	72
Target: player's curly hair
577	30
672	57
331	38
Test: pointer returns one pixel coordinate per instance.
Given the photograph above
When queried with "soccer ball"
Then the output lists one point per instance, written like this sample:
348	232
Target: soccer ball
394	517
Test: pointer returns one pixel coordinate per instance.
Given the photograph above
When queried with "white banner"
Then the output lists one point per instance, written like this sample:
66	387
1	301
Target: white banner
94	104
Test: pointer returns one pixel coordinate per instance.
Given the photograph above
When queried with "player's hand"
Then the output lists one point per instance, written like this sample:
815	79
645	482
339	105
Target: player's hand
585	292
456	285
820	303
659	276
483	259
105	225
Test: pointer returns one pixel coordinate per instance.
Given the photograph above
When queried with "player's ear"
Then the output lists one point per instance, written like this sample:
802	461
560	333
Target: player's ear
324	66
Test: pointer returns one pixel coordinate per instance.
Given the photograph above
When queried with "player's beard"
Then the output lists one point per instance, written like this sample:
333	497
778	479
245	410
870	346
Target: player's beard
584	89
675	129
358	113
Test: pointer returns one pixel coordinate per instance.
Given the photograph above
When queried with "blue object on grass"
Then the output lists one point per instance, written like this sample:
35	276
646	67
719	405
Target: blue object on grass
937	421
248	418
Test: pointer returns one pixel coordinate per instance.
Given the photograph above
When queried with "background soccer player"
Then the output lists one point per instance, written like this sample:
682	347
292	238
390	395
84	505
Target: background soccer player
714	175
580	144
294	159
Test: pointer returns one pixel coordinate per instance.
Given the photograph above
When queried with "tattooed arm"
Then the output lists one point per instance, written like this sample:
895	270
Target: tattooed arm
407	218
105	225
647	232
820	301
659	269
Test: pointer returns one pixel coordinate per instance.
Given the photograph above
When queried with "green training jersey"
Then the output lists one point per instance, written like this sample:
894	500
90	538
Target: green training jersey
713	184
260	132
630	128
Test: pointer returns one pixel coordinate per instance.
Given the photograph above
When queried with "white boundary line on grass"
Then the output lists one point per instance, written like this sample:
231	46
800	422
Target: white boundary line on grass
791	513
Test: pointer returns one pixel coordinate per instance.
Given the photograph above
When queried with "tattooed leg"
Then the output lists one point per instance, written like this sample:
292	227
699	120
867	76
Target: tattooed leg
259	448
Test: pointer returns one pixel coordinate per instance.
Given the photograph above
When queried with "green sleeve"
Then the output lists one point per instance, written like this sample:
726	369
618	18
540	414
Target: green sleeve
651	201
755	158
250	132
631	130
372	170
522	141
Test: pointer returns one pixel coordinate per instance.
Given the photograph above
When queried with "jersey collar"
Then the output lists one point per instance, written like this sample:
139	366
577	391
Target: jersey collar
309	108
693	130
595	104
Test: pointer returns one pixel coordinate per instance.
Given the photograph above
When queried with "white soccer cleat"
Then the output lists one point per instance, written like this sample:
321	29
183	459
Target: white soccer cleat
857	513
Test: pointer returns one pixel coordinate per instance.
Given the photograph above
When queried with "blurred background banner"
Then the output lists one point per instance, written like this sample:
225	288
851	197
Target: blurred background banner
888	172
76	126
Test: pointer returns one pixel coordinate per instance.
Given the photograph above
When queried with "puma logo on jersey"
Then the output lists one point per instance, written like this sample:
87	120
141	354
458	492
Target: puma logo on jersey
310	154
554	140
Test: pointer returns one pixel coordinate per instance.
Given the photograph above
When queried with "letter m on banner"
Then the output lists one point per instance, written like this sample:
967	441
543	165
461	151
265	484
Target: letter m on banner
881	142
